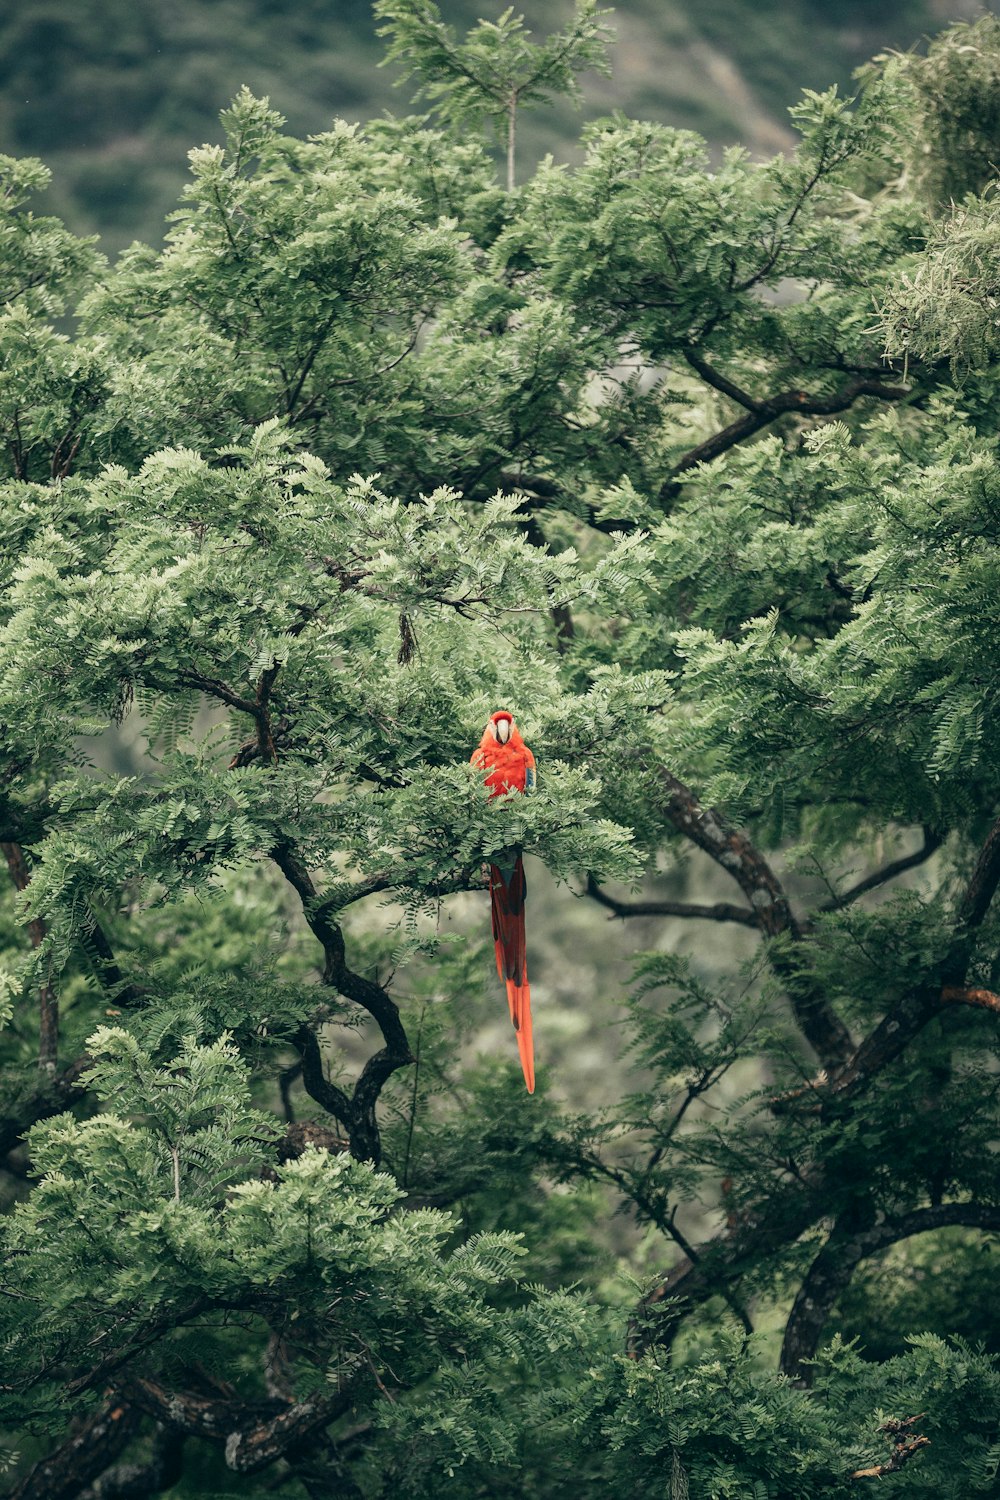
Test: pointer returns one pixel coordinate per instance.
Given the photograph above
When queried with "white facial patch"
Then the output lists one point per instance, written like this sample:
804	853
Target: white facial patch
492	728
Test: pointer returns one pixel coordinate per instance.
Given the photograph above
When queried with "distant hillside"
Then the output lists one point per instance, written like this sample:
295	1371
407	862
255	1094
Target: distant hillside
112	93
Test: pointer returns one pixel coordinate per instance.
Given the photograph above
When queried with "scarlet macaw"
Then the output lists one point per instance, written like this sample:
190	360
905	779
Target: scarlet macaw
511	767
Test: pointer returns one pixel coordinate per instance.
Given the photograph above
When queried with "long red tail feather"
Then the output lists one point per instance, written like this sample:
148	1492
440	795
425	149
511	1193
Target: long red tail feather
507	905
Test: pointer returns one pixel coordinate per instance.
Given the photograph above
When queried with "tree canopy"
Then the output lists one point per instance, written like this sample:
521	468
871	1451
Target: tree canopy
693	467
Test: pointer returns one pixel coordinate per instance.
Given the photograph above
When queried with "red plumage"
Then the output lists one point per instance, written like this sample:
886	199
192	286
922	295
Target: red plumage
511	767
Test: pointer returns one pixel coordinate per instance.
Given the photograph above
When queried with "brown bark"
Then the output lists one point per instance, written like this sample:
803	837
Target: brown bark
253	1433
136	1481
903	1447
772	912
84	1455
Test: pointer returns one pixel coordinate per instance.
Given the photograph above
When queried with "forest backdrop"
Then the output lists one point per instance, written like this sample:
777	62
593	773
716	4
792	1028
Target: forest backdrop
689	458
112	95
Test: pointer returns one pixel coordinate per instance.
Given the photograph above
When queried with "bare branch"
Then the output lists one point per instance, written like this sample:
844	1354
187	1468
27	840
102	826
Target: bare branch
763	413
720	912
897	1430
713	377
932	842
986	999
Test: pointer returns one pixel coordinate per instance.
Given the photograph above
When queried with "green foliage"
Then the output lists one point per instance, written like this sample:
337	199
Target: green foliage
369	448
953	125
112	96
496	70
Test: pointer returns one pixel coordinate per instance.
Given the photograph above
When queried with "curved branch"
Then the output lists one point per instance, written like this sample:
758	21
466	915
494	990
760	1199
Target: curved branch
985	999
932	842
834	1266
357	1113
772	912
82	1457
137	1481
770	1226
721	912
254	1434
763	413
902	1023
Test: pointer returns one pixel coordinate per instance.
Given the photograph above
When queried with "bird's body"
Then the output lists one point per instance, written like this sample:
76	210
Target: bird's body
510	767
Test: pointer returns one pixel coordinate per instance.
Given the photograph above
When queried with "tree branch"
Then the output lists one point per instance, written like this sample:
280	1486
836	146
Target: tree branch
903	1447
720	912
711	376
254	1433
84	1455
772	913
834	1266
136	1481
986	999
771	1225
357	1114
932	842
902	1023
763	413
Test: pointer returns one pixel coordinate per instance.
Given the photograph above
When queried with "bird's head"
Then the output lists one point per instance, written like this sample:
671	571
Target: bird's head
501	726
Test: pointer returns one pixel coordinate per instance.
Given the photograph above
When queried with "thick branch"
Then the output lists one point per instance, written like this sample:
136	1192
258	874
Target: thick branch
985	999
779	1220
773	915
136	1481
84	1455
721	912
358	1113
254	1433
834	1266
978	894
763	413
315	1081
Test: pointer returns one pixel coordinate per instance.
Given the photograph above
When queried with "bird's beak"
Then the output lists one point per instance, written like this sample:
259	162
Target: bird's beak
503	730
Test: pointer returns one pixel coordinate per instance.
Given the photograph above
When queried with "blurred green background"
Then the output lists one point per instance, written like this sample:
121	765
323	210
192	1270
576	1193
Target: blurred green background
111	94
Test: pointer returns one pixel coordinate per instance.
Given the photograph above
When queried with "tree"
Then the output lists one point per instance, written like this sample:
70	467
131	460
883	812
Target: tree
694	468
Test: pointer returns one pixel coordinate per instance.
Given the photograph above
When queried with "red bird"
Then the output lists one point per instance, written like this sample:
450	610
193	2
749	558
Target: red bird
511	767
